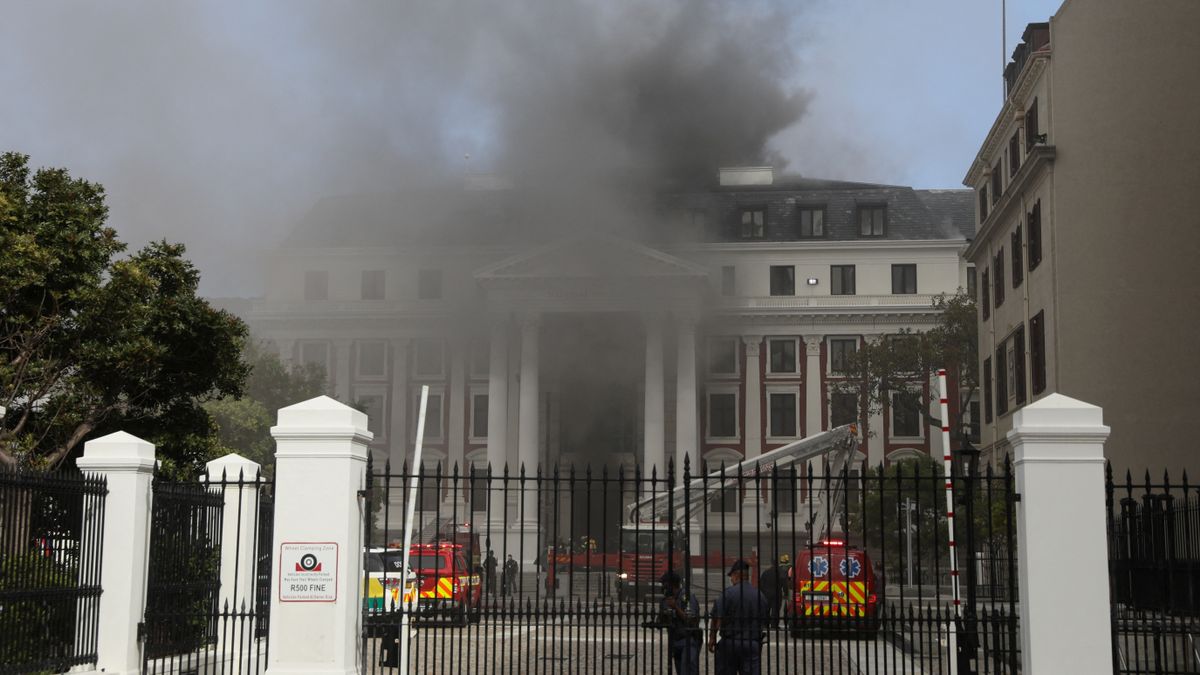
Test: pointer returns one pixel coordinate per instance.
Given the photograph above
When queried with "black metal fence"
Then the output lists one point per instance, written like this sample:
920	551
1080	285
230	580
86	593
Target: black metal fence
51	541
1154	569
553	570
193	623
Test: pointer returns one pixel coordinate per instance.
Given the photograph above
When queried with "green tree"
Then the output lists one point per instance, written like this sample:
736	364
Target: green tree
903	363
90	343
244	423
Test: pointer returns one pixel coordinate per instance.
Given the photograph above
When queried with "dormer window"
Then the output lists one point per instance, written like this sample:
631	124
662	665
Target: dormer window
754	223
812	222
871	220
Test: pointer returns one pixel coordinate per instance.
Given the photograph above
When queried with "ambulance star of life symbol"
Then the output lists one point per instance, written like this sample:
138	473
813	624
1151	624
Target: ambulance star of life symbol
849	567
818	566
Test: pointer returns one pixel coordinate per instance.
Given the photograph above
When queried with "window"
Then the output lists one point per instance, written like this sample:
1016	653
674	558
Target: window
985	304
998	281
433	414
753	225
840	352
871	220
973	426
1037	352
315	354
479	415
906	414
1014	153
728	281
843	408
1018	269
697	220
987	390
722	356
372	359
479	489
783	355
783	280
785	490
372	405
1035	235
812	222
1001	380
1018	340
983	203
429	284
372	284
997	180
722	415
971	282
429	357
1031	126
904	279
316	285
782	412
841	279
727	502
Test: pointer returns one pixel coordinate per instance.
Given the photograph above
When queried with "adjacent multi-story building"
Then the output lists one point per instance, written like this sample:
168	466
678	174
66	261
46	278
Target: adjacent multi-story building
1088	213
717	330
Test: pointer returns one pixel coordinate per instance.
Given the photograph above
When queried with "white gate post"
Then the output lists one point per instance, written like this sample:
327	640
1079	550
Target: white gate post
238	478
316	608
127	463
1062	544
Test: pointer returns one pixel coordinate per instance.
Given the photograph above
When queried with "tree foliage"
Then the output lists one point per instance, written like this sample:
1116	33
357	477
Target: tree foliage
90	343
908	360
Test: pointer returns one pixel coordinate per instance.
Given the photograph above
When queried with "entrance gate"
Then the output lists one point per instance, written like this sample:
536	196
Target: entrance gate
873	596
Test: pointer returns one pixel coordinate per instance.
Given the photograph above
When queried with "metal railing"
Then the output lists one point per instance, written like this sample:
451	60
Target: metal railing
51	543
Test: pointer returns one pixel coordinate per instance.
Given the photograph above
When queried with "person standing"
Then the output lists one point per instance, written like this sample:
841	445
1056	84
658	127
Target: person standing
773	584
680	611
738	617
510	576
489	572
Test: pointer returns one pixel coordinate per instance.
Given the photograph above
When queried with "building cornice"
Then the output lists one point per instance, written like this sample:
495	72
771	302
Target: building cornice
994	141
1039	157
819	245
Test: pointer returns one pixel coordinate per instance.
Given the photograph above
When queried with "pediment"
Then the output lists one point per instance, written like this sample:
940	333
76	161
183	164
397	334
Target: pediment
594	258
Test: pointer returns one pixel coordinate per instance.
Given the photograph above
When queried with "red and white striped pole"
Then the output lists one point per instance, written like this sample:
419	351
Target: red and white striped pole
947	459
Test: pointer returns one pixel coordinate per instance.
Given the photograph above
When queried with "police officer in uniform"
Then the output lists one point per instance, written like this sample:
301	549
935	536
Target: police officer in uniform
738	618
680	613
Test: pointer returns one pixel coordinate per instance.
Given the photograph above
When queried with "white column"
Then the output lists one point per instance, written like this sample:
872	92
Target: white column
497	442
527	426
399	435
875	441
654	458
127	463
1058	444
687	438
812	384
457	435
342	369
320	465
753	424
238	478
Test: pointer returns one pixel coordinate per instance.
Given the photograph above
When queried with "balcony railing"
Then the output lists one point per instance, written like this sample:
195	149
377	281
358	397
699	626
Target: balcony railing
828	301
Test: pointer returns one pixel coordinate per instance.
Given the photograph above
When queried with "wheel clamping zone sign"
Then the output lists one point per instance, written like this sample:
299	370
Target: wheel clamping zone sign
308	571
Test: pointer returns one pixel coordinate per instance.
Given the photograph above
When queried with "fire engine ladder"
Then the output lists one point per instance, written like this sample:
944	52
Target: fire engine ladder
837	446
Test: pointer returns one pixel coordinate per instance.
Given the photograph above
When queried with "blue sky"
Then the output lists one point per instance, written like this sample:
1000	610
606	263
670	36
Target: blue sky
220	123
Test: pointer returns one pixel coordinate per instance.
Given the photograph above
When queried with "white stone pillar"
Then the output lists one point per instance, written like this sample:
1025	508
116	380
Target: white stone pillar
812	384
875	441
342	369
497	441
654	460
455	504
753	424
528	423
398	433
687	436
1058	445
127	463
238	478
320	466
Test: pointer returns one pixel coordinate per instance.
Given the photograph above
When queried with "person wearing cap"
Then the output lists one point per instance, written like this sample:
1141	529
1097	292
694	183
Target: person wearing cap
773	584
680	612
738	617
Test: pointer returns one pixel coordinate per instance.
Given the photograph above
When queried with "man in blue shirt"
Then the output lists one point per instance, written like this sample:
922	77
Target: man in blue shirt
680	612
738	617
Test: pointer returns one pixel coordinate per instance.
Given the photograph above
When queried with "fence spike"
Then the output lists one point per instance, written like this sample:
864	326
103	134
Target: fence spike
1166	480
387	466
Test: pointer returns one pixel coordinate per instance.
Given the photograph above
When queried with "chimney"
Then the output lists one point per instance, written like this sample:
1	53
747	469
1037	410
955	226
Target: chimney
734	176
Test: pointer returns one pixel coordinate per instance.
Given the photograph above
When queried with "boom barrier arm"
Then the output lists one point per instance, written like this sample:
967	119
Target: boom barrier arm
839	444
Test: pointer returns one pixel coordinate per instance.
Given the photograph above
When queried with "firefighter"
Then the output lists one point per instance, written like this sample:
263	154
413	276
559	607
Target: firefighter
737	617
680	613
773	584
509	584
489	572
